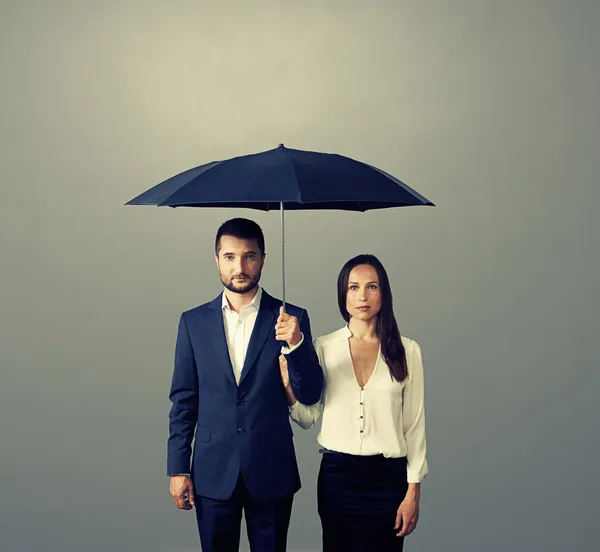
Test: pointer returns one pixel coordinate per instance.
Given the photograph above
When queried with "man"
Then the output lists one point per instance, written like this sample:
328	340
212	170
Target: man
227	396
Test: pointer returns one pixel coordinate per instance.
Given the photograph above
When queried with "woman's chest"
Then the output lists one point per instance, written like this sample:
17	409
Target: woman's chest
344	371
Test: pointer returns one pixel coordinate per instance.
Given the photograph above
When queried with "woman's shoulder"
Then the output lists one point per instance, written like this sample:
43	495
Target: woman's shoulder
332	338
409	344
407	341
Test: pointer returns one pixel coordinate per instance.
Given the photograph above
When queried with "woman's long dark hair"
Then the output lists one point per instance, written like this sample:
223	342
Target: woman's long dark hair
386	327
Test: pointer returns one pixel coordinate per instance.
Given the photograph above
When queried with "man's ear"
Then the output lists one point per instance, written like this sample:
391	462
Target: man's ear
217	260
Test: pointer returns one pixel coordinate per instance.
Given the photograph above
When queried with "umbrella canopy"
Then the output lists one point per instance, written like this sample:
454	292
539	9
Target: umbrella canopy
284	179
298	179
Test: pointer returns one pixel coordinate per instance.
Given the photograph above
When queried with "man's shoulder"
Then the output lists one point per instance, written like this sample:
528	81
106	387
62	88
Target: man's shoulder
275	302
202	309
294	310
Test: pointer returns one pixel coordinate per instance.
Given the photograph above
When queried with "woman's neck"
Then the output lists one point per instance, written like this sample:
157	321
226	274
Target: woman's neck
363	330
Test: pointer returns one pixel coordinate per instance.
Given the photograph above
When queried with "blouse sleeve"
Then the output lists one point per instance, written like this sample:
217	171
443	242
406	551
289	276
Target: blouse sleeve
304	415
413	415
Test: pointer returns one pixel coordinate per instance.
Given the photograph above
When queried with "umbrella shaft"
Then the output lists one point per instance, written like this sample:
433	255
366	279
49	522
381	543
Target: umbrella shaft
282	253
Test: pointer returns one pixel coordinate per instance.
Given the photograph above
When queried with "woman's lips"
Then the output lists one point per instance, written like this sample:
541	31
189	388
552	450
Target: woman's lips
363	308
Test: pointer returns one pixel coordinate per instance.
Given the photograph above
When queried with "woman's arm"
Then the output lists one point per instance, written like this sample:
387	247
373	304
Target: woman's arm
413	415
306	375
304	415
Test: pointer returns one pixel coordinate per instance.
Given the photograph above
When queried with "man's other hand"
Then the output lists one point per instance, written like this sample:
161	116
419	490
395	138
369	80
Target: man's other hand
182	491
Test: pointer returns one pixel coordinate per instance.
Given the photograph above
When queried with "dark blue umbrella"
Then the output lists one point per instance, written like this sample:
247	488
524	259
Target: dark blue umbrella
284	179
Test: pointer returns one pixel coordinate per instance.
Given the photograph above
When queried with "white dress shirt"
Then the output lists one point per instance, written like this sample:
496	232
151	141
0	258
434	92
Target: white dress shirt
383	417
238	330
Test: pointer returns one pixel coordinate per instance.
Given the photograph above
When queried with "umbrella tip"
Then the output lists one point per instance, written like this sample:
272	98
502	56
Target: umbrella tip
281	146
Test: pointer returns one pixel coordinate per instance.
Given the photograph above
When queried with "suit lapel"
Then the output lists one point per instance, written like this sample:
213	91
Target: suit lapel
263	328
217	334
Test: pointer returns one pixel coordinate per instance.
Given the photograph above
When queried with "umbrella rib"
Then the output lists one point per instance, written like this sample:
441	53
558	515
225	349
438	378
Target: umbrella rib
406	187
295	174
188	183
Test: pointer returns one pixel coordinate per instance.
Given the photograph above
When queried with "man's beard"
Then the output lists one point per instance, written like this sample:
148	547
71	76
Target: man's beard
249	286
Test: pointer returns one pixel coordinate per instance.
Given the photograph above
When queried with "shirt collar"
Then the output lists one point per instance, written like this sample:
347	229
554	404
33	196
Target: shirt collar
255	301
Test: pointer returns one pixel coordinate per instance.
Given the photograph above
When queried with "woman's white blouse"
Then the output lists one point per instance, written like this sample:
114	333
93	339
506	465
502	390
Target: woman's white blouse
383	417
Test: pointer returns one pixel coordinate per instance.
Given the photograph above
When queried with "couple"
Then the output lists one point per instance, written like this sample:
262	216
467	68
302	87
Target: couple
243	367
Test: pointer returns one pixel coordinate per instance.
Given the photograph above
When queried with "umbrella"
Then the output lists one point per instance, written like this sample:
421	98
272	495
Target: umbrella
283	179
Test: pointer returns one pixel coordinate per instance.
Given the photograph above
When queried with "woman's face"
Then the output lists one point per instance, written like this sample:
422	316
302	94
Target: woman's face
363	298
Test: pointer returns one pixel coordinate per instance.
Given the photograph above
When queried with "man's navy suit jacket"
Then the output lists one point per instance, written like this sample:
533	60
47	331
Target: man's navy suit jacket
241	427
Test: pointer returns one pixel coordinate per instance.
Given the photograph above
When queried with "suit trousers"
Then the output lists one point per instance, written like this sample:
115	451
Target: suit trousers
358	497
219	521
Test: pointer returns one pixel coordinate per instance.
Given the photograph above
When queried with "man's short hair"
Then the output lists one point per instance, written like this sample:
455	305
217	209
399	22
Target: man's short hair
243	229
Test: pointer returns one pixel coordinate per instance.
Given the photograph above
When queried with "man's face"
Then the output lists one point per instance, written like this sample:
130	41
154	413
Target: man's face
240	264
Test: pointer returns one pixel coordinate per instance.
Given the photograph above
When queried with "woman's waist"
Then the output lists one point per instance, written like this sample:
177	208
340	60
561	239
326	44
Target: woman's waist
370	441
369	448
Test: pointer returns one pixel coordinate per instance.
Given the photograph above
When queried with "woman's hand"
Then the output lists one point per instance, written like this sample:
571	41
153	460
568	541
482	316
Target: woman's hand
285	380
407	515
285	376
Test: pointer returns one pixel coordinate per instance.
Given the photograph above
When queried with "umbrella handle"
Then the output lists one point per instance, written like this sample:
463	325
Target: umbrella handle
282	253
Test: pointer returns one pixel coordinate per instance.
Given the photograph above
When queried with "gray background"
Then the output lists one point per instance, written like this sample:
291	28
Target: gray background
490	109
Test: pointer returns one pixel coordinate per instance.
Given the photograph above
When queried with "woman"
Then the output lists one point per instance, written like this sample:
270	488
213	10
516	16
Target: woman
373	425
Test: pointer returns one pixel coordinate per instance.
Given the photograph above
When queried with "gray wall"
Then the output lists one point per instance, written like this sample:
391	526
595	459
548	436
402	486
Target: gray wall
487	108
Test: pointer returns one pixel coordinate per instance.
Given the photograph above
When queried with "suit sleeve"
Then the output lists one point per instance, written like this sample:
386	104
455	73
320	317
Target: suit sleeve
184	398
306	375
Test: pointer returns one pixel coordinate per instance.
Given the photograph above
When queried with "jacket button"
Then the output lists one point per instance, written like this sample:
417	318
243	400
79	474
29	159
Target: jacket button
240	431
240	402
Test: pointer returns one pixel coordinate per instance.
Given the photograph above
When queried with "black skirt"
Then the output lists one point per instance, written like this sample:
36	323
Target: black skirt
358	497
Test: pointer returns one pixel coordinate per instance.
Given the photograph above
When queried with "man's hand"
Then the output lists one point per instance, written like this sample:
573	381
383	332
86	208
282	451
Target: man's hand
182	491
287	328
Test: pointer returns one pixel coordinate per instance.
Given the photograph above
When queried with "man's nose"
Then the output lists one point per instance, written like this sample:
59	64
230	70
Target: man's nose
238	266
